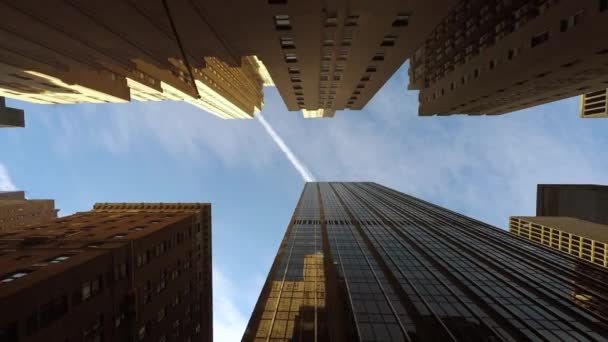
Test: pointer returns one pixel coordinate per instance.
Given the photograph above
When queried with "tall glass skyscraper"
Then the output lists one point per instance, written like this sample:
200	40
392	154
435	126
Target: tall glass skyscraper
362	262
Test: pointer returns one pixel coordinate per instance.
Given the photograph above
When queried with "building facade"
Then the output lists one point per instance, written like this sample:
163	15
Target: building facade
498	56
362	262
10	117
322	56
594	104
17	212
108	275
582	239
587	202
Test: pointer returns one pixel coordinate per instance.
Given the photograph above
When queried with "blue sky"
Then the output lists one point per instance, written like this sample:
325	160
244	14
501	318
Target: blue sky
484	167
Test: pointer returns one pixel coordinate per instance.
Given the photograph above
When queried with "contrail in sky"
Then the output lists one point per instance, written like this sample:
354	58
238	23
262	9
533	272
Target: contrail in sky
306	175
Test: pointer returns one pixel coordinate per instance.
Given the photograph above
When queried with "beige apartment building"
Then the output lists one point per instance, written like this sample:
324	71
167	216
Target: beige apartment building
498	56
593	105
585	240
17	212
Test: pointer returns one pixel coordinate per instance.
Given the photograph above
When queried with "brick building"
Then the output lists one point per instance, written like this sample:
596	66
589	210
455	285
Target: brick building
122	272
16	211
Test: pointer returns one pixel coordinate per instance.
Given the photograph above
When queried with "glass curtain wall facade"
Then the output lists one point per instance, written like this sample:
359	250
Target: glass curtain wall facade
362	262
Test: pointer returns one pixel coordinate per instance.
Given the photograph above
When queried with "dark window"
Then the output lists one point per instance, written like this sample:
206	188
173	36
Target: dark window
21	77
291	58
603	5
282	22
53	310
328	42
378	57
539	39
9	332
351	20
388	41
293	70
296	79
401	20
277	2
370	69
567	65
331	21
570	22
287	43
15	275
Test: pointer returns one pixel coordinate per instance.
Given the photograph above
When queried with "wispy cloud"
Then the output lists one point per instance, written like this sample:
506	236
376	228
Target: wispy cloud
6	184
229	321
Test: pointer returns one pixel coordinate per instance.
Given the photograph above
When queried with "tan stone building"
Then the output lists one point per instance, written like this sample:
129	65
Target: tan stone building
17	212
476	57
121	272
594	104
216	55
498	56
583	239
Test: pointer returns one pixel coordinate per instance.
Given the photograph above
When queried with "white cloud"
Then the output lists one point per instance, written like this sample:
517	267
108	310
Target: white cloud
6	184
229	322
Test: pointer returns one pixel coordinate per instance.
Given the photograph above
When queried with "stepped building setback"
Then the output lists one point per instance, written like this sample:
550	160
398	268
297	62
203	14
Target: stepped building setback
474	57
362	262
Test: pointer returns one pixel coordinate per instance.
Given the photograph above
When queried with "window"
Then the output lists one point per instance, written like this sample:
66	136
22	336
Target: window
142	332
282	22
118	236
365	78
351	20
388	41
293	70
291	58
336	77
570	22
21	77
277	2
603	5
331	21
539	39
86	290
296	79
567	65
492	64
347	41
378	57
15	275
401	20
513	53
370	69
161	314
287	43
328	42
